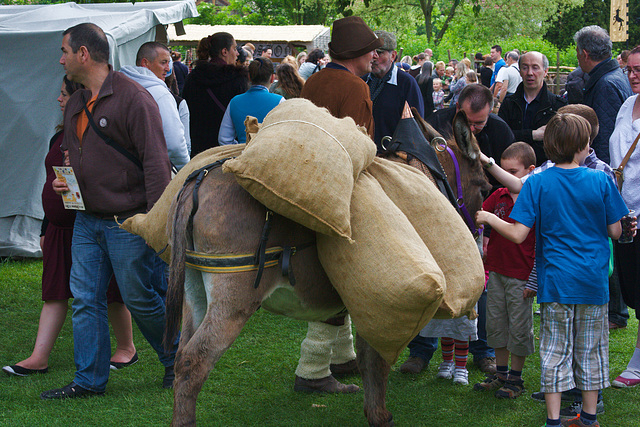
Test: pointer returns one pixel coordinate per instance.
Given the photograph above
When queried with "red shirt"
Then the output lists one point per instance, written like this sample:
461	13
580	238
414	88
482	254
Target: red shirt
503	256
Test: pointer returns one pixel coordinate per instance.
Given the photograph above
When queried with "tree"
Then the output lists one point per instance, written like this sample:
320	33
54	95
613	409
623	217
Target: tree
593	12
271	12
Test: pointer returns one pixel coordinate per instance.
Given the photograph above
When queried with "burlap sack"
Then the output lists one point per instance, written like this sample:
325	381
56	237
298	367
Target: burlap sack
152	225
387	278
442	230
302	164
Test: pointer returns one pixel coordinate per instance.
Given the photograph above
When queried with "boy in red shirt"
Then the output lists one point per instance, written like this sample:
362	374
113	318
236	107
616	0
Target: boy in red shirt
509	303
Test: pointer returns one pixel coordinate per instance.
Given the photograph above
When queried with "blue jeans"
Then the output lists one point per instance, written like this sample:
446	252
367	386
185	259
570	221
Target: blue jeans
479	348
99	249
424	347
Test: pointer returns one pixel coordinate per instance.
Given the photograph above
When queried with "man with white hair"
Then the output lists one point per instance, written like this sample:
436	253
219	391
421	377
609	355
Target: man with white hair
607	87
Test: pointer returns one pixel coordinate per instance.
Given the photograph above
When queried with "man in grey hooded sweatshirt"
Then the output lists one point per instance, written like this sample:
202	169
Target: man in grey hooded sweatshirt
152	65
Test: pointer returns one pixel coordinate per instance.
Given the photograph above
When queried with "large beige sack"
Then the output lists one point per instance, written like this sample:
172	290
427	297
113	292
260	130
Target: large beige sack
152	225
387	278
442	230
302	164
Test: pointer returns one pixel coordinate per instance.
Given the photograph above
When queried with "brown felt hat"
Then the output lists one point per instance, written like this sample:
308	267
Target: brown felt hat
352	38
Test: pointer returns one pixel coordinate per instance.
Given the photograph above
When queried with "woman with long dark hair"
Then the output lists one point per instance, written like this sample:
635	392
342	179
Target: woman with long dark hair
289	82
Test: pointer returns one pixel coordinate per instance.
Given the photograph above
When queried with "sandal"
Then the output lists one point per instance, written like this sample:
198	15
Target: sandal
511	389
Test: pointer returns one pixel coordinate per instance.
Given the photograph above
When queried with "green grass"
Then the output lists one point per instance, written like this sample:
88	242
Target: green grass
252	385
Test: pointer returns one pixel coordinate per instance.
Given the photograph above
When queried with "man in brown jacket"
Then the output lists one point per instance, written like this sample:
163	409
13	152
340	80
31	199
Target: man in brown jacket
327	349
115	144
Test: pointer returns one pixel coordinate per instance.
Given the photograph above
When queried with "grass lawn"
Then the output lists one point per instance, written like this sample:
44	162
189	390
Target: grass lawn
252	385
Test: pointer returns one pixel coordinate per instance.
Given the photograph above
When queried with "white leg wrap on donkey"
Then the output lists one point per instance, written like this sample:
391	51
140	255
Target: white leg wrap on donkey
315	351
343	345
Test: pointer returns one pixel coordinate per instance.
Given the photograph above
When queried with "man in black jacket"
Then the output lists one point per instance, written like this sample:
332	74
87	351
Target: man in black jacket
530	108
607	87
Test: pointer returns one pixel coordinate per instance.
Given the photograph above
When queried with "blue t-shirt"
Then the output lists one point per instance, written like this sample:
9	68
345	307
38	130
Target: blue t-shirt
571	209
256	102
496	68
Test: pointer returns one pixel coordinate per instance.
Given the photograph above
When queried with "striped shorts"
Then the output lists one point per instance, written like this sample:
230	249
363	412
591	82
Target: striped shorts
574	347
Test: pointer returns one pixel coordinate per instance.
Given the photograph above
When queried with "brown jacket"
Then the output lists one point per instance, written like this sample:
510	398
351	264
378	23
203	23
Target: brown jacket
110	183
342	93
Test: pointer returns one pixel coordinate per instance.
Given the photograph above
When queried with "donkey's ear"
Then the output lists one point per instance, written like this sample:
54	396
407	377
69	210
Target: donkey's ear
464	137
428	131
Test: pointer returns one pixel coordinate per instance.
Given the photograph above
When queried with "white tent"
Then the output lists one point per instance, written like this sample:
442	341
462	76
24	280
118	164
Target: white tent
30	79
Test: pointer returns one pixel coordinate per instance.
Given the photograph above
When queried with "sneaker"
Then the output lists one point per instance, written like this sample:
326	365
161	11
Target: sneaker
70	391
492	382
511	389
577	422
445	370
575	408
486	365
622	382
169	376
461	376
413	365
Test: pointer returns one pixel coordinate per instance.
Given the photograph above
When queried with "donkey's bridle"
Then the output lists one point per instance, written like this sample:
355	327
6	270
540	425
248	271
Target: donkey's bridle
440	144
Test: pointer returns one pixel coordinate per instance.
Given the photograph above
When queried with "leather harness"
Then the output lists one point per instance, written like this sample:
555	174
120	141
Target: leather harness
234	263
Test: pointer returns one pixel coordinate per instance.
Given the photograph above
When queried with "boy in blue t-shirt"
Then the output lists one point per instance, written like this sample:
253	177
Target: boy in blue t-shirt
573	209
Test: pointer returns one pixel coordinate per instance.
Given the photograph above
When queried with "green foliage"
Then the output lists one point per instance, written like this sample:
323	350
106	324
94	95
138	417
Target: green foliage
252	384
593	12
457	47
270	12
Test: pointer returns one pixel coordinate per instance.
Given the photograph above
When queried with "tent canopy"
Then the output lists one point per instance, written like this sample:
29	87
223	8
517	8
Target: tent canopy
30	82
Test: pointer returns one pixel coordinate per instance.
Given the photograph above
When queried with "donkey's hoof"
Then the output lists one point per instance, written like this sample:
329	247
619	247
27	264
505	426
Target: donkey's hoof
323	385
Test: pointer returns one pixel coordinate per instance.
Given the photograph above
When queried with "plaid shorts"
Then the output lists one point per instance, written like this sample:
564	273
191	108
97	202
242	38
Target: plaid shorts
574	347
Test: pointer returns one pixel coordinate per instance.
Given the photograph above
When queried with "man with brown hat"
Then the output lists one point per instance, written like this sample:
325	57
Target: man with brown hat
327	349
338	87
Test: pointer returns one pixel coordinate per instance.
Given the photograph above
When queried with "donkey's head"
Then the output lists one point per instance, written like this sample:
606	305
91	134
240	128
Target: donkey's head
465	147
475	185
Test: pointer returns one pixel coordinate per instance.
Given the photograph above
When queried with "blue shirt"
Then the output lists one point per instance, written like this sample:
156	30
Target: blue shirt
496	68
571	209
256	102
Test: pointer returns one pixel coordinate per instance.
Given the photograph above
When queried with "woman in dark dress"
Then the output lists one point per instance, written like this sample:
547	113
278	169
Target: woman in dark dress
425	82
55	241
486	72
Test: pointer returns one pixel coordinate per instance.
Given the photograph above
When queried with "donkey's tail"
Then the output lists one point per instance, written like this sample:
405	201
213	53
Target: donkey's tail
177	224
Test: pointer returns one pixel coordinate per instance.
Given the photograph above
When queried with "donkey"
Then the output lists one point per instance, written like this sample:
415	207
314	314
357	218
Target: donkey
215	306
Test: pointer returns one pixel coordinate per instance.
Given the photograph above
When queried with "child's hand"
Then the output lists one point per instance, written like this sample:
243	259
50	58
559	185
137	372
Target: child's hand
528	293
482	217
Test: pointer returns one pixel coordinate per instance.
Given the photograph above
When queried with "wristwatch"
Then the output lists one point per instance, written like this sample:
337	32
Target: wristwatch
490	163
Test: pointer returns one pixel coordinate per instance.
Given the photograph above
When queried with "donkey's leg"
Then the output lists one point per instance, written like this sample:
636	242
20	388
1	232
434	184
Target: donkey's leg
226	315
375	373
195	304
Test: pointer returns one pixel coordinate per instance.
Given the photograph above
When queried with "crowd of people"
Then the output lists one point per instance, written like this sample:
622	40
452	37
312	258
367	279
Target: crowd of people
550	159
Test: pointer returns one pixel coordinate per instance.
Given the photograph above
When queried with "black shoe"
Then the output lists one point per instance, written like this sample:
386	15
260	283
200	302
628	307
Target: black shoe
565	396
169	376
575	408
119	365
19	371
70	391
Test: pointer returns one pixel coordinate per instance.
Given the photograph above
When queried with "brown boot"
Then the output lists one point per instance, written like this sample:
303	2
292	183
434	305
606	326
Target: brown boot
413	365
323	385
344	369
